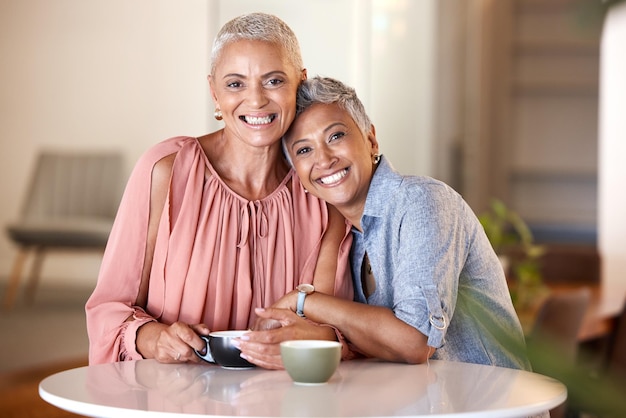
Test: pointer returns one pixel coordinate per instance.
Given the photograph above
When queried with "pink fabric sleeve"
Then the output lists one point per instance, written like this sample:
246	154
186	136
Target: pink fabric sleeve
111	337
129	335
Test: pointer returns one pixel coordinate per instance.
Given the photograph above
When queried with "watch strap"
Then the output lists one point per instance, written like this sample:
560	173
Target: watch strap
300	303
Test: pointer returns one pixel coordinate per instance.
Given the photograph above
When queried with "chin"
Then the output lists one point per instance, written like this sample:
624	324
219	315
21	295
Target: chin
333	200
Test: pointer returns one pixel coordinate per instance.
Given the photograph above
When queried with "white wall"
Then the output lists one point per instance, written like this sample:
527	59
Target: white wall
95	74
126	74
612	154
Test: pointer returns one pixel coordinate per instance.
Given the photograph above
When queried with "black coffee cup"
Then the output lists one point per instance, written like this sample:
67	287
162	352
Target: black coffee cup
220	350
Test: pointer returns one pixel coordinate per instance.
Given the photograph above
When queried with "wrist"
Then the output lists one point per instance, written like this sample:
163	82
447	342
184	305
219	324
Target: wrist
304	290
146	337
288	301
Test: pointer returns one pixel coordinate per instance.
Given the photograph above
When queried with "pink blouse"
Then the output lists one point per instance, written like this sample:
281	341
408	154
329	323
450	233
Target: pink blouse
217	255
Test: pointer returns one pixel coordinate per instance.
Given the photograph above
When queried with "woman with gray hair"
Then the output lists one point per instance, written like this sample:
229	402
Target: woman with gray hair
212	227
427	282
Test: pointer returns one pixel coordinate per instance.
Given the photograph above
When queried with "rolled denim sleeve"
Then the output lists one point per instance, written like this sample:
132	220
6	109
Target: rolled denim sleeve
427	262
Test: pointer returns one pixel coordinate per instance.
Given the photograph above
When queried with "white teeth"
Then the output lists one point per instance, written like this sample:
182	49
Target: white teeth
334	178
253	120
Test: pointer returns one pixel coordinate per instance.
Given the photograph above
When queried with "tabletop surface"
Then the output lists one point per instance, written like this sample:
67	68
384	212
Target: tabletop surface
359	388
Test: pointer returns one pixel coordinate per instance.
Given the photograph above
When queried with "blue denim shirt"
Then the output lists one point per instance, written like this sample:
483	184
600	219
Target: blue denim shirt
436	270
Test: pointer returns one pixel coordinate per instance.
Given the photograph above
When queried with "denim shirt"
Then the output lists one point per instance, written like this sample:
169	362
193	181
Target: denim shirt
436	270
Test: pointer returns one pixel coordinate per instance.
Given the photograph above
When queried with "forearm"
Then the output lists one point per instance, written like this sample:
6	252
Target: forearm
375	331
326	268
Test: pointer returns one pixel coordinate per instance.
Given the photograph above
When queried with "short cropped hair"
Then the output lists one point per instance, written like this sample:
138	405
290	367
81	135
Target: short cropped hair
326	90
258	27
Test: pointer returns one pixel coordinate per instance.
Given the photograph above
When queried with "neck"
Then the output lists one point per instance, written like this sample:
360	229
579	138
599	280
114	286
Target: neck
353	213
251	172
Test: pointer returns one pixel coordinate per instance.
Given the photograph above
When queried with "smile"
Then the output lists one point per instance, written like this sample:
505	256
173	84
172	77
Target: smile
334	178
255	120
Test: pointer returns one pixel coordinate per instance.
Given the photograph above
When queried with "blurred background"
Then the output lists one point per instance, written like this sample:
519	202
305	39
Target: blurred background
499	98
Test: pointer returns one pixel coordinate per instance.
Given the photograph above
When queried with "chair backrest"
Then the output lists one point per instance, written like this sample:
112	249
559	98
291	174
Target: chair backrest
75	184
559	320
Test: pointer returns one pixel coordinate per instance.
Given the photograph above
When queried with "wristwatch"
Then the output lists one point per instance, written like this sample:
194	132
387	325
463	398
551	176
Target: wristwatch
303	291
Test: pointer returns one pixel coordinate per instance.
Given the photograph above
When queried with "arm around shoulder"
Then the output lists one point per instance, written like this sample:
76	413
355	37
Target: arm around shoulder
332	272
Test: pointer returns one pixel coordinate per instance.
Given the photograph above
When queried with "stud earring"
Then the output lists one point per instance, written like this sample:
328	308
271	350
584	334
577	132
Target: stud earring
218	114
376	158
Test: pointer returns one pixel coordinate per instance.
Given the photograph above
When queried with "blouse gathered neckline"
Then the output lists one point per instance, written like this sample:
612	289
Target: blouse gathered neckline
280	188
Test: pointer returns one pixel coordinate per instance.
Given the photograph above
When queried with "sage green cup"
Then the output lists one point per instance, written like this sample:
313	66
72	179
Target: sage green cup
310	362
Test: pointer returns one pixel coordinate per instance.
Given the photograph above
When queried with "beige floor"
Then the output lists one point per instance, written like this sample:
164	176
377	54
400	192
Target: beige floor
51	329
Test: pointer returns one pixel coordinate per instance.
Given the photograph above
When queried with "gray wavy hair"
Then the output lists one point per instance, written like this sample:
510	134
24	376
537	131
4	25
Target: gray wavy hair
326	90
258	27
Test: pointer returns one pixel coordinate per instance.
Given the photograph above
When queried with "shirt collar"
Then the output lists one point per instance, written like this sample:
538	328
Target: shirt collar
384	185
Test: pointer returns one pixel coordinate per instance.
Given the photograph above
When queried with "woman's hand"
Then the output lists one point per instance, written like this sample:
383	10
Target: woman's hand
267	322
171	343
262	347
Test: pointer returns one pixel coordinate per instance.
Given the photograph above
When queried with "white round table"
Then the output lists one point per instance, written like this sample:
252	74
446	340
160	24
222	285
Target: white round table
359	388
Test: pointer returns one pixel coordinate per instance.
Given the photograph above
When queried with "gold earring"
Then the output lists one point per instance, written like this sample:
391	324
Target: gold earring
218	114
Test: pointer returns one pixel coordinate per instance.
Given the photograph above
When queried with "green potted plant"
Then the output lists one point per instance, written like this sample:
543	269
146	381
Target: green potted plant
513	242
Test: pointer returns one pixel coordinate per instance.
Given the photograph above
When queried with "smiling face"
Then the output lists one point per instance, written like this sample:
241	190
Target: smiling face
254	85
332	157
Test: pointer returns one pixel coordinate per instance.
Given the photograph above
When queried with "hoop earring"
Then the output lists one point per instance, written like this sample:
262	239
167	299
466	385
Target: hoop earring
218	114
376	158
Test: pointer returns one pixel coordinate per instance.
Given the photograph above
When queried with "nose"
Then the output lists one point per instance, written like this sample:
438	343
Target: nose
325	157
256	95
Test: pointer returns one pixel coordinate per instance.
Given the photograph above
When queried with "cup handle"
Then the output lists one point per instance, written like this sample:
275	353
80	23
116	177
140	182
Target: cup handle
208	356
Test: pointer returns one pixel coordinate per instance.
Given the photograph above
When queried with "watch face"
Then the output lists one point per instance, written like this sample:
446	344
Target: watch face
306	288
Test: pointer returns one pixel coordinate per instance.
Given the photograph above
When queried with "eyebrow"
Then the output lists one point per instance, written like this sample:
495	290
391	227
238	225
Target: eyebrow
268	74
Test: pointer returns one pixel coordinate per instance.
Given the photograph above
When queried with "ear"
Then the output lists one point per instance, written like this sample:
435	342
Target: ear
212	88
304	75
371	137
